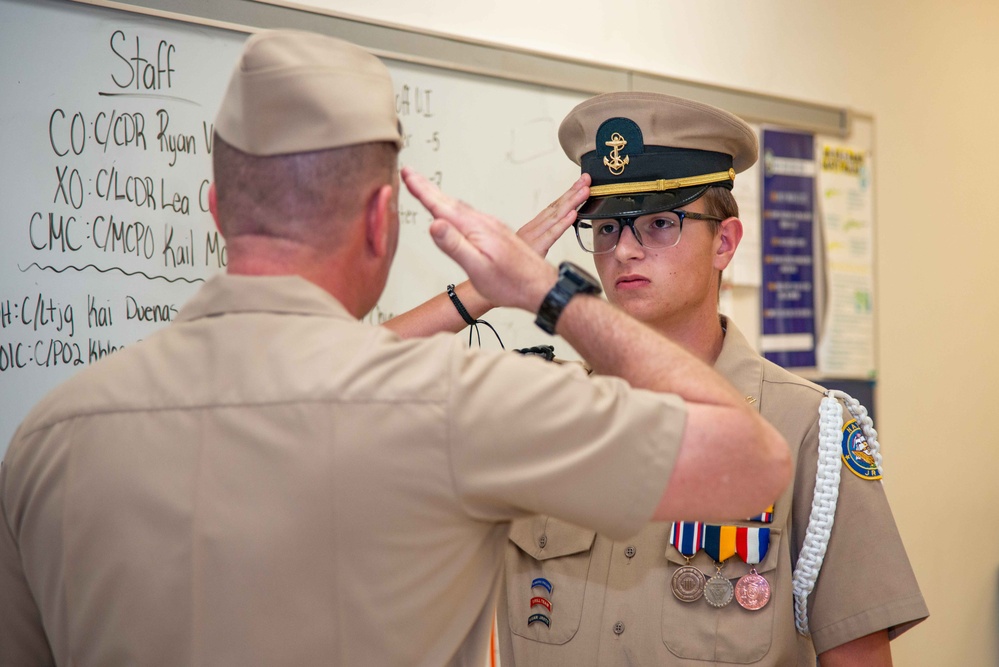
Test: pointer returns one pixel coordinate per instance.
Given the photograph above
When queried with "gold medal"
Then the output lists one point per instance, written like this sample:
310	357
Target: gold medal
718	590
687	583
752	591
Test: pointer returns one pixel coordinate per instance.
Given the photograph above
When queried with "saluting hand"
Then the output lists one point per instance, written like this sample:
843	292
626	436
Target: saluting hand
502	266
549	225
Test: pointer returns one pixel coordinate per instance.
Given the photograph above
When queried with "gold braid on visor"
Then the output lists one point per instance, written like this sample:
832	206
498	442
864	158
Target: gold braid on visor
660	185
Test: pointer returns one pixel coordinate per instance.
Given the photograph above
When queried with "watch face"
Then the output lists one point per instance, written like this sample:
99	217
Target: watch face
582	280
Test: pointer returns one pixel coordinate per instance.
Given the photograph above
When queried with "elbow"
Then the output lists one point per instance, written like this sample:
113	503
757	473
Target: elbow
778	468
767	471
739	469
783	463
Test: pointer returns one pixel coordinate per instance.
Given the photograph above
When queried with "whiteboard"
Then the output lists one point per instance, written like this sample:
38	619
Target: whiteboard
106	147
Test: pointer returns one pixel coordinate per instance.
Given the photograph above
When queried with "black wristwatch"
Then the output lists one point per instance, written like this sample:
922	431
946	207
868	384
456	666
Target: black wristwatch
572	280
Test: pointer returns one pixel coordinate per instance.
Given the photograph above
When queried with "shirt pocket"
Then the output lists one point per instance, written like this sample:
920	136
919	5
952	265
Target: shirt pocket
730	634
546	552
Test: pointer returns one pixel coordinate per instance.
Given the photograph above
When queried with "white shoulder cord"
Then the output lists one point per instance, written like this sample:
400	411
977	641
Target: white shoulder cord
827	475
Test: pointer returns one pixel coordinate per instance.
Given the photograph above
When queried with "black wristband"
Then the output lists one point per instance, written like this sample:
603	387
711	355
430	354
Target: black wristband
460	306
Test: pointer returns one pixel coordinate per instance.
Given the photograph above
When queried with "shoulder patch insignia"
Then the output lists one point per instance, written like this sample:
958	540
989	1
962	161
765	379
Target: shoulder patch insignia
856	452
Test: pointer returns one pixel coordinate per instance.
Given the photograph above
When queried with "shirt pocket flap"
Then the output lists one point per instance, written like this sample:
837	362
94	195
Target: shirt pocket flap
543	537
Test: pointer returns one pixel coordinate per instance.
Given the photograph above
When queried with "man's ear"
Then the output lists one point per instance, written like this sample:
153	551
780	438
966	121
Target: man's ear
213	205
727	241
378	215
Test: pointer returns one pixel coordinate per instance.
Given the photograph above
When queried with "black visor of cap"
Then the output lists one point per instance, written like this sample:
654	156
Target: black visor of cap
632	206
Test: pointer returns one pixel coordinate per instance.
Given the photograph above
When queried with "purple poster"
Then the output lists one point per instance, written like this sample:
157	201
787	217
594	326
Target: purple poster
787	322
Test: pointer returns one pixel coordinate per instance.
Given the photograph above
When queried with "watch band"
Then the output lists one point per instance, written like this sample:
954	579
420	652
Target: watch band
572	280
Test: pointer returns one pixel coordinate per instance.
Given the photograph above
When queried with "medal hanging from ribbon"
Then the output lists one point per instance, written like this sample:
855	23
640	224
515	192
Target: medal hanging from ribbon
687	582
752	591
719	543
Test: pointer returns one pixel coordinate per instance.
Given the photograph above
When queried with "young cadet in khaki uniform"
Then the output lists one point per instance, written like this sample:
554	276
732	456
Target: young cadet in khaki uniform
269	481
712	592
662	224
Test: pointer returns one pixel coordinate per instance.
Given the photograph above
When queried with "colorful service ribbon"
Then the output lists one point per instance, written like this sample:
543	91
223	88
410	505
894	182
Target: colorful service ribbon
752	543
766	517
687	537
720	542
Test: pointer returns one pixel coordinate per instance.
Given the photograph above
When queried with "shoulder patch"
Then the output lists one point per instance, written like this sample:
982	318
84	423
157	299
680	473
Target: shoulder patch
857	453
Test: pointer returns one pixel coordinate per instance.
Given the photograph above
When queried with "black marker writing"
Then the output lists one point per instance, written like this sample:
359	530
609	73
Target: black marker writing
142	73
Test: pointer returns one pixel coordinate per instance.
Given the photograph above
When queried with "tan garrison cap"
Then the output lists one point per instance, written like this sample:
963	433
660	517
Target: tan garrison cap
294	92
648	152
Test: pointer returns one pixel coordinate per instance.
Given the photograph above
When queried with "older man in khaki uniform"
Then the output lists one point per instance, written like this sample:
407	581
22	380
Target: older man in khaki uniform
662	225
269	481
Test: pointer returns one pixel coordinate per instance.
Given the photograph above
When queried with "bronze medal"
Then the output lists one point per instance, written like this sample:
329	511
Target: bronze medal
687	583
752	591
718	590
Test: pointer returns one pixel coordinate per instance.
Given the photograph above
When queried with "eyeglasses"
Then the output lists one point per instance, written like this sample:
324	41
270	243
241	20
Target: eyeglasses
655	230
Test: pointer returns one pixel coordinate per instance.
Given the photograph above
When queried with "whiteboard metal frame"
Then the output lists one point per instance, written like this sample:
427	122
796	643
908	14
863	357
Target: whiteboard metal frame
504	62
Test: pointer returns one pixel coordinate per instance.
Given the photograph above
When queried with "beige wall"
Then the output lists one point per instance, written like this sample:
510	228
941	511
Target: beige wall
927	71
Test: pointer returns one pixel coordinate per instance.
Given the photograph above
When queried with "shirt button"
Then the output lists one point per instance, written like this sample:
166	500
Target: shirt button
542	541
629	552
618	628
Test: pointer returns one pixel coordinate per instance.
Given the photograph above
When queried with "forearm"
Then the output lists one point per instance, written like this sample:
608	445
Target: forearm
726	444
873	650
614	343
440	314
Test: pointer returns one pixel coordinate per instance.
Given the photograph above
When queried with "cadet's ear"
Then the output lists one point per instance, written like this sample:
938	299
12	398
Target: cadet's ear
378	221
727	242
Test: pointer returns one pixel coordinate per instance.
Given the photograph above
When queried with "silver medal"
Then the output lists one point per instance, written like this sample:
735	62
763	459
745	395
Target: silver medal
718	590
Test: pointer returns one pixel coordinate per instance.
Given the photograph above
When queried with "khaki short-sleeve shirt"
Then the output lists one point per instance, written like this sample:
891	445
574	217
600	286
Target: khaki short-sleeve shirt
612	602
268	481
